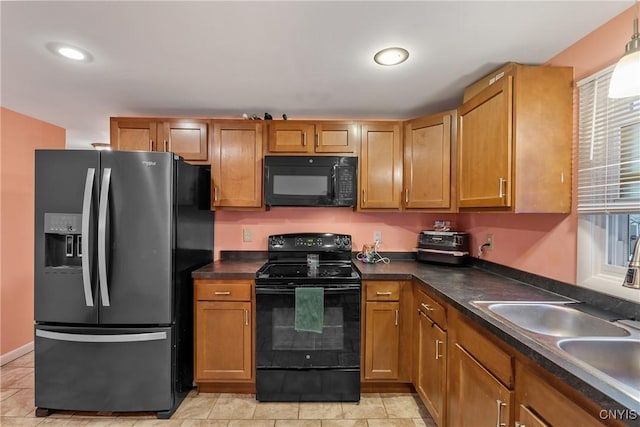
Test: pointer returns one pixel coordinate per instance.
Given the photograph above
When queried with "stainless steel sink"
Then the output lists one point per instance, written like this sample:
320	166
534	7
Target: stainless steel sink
608	351
615	357
556	320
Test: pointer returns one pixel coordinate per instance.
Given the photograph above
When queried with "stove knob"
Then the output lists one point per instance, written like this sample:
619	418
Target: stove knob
276	241
346	241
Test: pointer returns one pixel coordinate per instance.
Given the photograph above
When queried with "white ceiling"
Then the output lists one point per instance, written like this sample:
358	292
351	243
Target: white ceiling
308	59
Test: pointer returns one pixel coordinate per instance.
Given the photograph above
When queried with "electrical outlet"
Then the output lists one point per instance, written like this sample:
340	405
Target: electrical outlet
489	241
247	235
377	236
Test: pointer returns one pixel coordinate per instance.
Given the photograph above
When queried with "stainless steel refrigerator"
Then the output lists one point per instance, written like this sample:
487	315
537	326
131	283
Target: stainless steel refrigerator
117	235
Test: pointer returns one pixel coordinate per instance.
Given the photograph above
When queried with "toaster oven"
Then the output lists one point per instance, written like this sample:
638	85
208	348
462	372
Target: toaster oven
443	247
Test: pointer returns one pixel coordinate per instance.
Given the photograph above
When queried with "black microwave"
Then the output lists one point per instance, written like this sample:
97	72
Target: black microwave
310	180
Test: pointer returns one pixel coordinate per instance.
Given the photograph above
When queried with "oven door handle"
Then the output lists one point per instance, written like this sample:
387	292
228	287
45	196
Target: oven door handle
290	289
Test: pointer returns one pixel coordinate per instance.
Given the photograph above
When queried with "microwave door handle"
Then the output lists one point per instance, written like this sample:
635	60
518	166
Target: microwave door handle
334	181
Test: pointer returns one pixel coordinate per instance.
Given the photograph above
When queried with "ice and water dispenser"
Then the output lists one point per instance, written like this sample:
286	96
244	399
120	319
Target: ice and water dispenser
63	240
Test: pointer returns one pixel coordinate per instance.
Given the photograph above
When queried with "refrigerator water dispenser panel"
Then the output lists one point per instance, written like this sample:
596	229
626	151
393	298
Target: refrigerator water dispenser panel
62	240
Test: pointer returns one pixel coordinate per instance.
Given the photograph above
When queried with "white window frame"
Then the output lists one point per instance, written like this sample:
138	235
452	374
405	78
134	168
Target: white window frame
593	271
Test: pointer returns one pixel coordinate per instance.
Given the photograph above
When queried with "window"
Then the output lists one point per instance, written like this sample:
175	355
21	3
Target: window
608	185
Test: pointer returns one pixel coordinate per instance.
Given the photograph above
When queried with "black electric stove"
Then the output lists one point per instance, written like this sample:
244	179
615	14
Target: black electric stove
295	364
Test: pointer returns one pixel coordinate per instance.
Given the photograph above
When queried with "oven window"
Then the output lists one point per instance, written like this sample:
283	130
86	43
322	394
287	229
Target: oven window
285	337
279	345
293	185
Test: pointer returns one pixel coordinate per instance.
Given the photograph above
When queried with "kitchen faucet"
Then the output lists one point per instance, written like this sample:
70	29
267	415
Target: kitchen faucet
632	278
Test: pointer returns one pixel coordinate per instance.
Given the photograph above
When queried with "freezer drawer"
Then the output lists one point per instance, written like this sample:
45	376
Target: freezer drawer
117	370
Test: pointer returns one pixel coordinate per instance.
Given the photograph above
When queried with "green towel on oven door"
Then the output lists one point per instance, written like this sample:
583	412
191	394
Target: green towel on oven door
309	310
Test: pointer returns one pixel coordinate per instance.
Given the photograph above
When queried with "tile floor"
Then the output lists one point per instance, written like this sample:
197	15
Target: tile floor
215	409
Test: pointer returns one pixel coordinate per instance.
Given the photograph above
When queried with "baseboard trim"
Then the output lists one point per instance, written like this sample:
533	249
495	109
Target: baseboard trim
14	354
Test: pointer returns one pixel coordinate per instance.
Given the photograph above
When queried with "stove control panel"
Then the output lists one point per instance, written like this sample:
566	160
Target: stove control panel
304	242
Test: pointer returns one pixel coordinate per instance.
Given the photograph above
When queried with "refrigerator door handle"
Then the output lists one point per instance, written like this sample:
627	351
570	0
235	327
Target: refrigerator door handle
61	336
86	213
102	236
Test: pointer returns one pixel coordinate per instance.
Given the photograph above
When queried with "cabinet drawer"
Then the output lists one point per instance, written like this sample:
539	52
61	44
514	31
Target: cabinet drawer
553	406
493	358
383	291
434	310
223	290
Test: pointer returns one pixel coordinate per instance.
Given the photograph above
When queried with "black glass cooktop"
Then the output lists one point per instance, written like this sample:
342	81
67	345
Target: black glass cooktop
293	271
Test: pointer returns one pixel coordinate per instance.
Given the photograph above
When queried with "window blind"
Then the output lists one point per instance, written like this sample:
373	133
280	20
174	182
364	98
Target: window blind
608	149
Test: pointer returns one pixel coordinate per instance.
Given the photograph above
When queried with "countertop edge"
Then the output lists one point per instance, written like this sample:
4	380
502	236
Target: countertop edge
447	282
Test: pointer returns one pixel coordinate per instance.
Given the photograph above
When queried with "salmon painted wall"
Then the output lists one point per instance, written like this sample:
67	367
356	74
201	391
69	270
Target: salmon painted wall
399	231
539	243
20	135
543	244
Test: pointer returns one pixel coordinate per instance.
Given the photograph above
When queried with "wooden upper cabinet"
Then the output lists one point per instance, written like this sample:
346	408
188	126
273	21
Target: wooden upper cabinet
236	161
380	166
187	138
302	137
134	134
336	137
514	141
485	148
428	145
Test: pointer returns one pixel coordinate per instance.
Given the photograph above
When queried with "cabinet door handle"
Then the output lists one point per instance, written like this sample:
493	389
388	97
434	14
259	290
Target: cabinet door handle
246	317
215	193
396	317
427	307
501	182
381	293
438	355
500	405
223	293
519	424
165	145
317	140
304	139
364	196
151	145
406	195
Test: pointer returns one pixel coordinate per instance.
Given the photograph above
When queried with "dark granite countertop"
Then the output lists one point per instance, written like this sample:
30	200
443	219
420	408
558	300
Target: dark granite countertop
231	269
459	286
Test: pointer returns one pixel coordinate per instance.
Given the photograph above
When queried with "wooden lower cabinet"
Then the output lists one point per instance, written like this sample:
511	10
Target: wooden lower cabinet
542	404
382	340
430	353
526	418
387	331
431	371
481	377
480	399
223	332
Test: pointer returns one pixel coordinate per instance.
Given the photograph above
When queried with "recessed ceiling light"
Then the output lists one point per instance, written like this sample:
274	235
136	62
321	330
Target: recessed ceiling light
69	52
391	56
